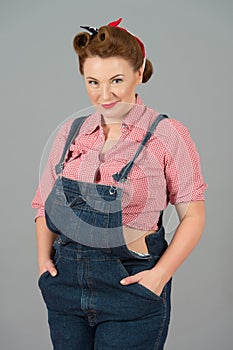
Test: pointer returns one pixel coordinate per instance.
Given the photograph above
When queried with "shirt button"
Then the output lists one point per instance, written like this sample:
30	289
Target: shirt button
124	126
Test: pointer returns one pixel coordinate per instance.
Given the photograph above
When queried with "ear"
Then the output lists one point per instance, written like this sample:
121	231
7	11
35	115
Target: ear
140	74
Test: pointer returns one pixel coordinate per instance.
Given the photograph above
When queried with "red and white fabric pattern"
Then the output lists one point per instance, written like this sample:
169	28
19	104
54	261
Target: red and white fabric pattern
167	170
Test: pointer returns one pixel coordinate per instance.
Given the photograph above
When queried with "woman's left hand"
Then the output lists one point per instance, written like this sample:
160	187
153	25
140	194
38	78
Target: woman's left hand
148	278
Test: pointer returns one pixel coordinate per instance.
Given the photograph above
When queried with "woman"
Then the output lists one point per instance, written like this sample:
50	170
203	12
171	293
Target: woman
105	266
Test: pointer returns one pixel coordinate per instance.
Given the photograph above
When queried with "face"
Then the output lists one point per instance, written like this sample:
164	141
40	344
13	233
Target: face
111	84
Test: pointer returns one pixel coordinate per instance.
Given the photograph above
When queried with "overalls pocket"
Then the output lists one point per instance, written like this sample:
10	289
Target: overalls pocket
46	274
132	267
43	275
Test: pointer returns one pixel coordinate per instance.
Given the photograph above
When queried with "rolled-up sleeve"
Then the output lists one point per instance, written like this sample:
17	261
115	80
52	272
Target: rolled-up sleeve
183	173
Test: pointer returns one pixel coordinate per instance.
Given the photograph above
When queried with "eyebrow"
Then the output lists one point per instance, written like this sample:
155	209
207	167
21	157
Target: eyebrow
117	75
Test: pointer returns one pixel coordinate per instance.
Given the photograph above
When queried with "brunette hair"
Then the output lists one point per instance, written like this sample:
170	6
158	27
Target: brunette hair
108	42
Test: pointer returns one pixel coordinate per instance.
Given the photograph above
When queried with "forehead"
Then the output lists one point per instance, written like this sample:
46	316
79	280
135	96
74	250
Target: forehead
110	66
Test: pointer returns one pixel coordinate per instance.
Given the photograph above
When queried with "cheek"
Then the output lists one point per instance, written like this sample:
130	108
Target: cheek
128	91
92	94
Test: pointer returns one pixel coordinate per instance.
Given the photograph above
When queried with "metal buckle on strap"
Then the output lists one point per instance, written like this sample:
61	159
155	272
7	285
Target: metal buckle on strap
59	167
112	190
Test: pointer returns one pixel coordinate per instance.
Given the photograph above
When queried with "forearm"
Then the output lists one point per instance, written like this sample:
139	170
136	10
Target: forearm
45	240
184	240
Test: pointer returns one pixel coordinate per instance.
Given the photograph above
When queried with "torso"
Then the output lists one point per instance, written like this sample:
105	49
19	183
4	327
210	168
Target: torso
112	133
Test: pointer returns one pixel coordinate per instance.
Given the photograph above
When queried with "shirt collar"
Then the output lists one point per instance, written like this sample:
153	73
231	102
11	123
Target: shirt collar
94	120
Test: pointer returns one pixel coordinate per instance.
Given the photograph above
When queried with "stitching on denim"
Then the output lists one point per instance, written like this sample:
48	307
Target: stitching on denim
157	344
91	310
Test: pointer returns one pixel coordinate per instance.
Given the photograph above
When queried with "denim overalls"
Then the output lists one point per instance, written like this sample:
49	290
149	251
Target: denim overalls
87	306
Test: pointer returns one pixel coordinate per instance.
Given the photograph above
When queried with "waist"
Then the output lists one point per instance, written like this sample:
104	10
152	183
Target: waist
149	243
155	242
136	239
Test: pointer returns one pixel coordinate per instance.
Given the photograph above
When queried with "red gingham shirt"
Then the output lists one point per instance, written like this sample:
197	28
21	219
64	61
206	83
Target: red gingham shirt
167	170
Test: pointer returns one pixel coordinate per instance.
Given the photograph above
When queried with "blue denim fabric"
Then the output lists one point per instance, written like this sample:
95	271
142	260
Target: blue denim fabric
89	214
88	308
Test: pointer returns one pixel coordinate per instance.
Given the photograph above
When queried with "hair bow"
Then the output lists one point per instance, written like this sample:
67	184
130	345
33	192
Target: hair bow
92	30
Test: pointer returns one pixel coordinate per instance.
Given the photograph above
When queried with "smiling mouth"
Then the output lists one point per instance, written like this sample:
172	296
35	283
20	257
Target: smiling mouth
109	105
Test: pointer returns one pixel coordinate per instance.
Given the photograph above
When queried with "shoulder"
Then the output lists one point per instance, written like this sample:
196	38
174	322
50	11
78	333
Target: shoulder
171	129
178	126
64	127
174	124
68	126
173	138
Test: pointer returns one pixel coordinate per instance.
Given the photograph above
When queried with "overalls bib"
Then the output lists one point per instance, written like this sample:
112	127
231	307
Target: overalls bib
90	213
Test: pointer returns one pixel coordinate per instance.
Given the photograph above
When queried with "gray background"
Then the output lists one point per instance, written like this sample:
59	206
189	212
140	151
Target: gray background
190	45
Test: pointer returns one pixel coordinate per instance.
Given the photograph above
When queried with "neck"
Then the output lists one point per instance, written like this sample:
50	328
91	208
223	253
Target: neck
106	121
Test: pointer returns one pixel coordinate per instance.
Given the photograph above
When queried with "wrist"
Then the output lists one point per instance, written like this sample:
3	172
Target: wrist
45	253
42	261
161	274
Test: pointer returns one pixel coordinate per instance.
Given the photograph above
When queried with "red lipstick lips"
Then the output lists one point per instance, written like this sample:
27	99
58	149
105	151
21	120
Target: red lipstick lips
109	105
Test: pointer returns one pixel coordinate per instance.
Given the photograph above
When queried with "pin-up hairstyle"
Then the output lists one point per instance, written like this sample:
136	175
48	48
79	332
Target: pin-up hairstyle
109	41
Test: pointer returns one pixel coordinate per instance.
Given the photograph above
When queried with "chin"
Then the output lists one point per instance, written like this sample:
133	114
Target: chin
118	111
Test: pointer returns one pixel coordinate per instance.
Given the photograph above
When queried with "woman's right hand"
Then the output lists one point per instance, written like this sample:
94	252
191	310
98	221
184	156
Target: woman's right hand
49	266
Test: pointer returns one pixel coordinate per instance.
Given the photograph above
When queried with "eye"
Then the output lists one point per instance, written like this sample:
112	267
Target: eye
117	81
93	83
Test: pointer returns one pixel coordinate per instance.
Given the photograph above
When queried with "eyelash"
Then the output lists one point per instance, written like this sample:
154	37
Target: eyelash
92	82
114	81
117	79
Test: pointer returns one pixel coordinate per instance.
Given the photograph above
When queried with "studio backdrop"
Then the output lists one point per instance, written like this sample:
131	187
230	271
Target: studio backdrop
190	45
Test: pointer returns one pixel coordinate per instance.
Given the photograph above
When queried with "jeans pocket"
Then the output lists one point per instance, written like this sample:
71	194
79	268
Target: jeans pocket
132	267
42	276
149	292
46	274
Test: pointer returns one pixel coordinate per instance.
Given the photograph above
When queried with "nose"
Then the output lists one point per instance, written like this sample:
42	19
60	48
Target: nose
106	92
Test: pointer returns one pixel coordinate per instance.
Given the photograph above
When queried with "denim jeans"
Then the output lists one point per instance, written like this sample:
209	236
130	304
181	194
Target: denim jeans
88	308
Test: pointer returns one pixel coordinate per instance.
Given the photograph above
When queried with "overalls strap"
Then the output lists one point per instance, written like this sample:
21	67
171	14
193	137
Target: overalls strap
122	175
75	127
